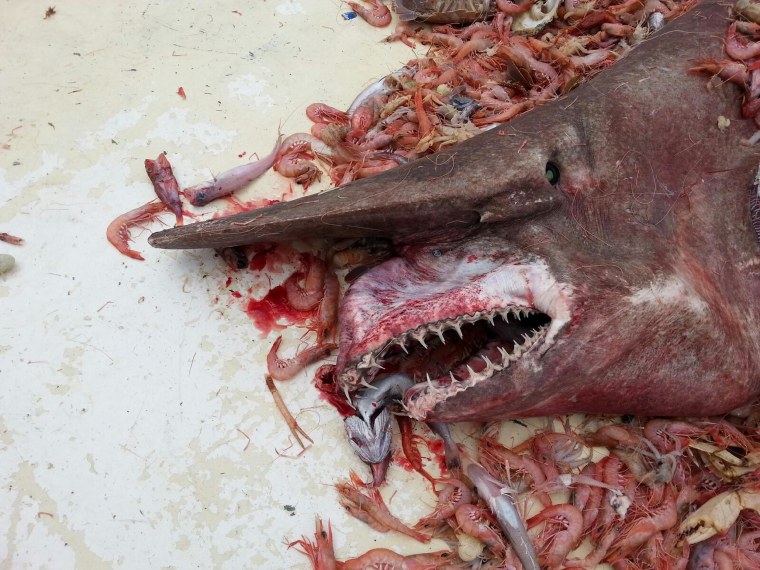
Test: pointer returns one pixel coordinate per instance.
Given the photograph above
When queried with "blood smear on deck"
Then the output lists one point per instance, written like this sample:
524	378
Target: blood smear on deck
268	313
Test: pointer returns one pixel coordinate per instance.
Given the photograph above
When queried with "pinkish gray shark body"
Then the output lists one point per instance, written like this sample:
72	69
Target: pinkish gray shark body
593	255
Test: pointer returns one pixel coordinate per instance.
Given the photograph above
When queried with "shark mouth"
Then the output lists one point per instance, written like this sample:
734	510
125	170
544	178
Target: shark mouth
447	357
449	354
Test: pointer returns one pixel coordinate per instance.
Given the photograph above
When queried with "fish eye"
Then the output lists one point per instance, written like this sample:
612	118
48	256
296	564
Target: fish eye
552	173
201	197
437	253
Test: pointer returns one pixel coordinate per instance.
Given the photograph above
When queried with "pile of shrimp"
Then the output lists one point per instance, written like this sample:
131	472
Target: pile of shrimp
653	494
742	47
471	78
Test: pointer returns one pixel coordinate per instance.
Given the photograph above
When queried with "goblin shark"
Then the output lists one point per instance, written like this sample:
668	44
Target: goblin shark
596	254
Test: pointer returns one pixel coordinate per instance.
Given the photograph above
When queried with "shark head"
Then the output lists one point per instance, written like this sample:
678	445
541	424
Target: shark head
595	254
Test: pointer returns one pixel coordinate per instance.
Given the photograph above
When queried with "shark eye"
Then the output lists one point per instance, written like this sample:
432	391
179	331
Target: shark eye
437	253
552	173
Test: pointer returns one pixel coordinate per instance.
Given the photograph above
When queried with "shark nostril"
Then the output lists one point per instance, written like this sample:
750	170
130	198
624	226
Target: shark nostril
552	173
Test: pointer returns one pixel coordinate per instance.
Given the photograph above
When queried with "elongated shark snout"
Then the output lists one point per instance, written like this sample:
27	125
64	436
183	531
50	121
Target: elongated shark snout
493	177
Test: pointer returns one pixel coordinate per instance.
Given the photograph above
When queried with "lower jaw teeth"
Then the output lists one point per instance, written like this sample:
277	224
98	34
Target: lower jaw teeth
476	369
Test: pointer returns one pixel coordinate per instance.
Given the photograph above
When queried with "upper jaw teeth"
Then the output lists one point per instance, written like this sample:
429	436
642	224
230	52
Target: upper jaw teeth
371	363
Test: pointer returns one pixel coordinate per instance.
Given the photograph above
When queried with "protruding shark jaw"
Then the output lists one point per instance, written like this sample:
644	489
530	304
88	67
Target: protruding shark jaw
449	325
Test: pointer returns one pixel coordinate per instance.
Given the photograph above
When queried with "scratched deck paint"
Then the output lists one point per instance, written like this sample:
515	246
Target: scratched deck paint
136	429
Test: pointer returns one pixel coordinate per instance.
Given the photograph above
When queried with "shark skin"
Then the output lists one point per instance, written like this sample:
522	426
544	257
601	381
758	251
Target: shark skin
595	254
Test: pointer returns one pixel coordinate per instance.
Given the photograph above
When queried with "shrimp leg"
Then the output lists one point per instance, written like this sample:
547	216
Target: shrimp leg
295	429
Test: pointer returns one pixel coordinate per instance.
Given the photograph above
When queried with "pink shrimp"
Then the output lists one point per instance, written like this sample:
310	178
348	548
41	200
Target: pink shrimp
118	230
618	30
438	39
615	435
307	297
740	50
300	169
320	552
511	9
322	113
328	308
667	435
384	559
506	465
425	125
231	180
365	116
368	506
557	545
591	59
473	45
454	494
610	471
564	450
280	369
642	529
595	557
374	167
476	522
748	28
403	32
627	6
588	497
505	115
378	16
727	435
165	184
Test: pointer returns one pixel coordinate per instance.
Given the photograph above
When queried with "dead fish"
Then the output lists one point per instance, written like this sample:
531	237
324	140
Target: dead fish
596	254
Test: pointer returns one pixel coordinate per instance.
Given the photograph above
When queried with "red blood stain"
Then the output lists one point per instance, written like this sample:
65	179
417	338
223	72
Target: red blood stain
400	459
228	282
242	154
181	93
259	261
437	449
268	313
236	294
